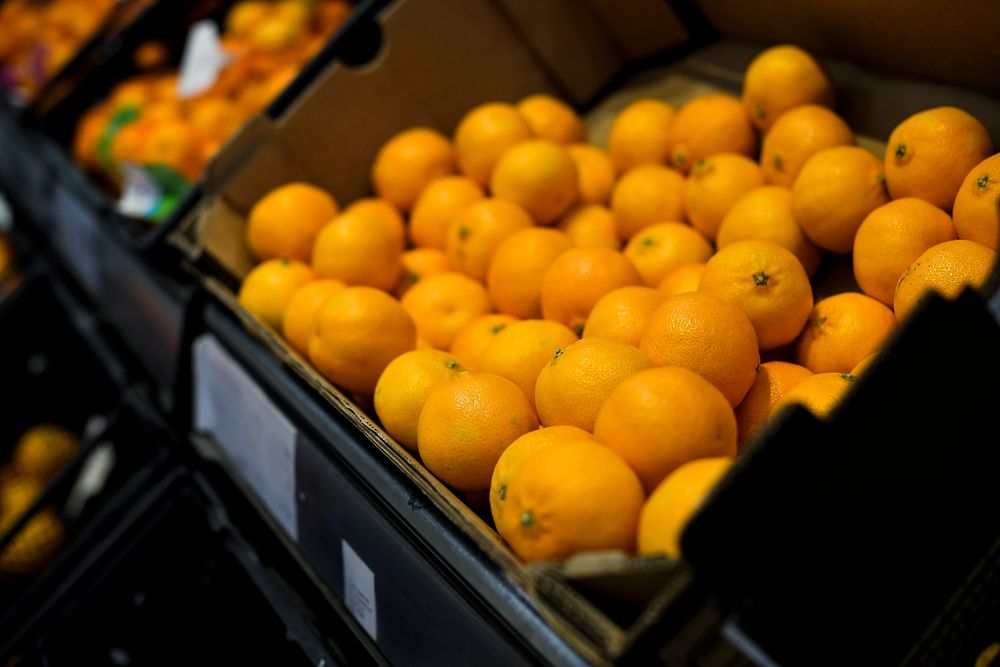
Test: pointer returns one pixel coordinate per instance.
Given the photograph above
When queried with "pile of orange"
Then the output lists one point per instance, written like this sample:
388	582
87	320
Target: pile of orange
145	122
590	335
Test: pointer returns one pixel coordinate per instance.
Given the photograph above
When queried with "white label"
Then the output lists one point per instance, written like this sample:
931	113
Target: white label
254	434
202	61
359	590
140	192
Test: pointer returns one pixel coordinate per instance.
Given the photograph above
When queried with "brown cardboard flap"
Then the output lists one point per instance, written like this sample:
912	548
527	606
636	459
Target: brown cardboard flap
641	28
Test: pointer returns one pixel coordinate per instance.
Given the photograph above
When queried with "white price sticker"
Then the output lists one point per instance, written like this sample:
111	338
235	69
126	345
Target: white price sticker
359	590
255	435
202	61
140	192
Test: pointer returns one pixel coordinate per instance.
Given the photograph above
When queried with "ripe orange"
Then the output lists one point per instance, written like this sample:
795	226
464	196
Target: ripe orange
674	502
595	173
440	201
472	339
568	498
358	331
176	144
834	192
515	275
442	304
661	418
34	545
819	393
766	214
552	119
640	134
419	263
408	162
269	286
478	230
467	423
591	226
767	283
404	386
929	154
359	249
622	314
782	78
578	278
482	136
521	350
862	367
774	379
578	379
216	117
384	211
714	184
645	196
684	279
891	238
43	451
798	135
707	125
521	449
947	268
538	175
659	249
303	306
710	336
977	205
843	329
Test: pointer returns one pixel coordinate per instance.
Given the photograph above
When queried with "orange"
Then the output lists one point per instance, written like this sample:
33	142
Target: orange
591	226
404	386
843	329
661	418
482	136
864	365
891	238
419	263
578	379
578	278
358	331
409	161
834	192
569	498
216	117
44	450
710	336
473	338
467	423
798	135
819	393
621	314
176	144
538	175
7	253
441	201
707	125
269	286
520	450
930	153
359	249
552	119
645	196
303	306
478	230
684	279
384	211
515	275
659	249
714	184
774	379
946	268
674	501
521	350
442	304
977	205
88	135
782	78
640	134
595	173
34	545
766	214
245	15
285	221
767	283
